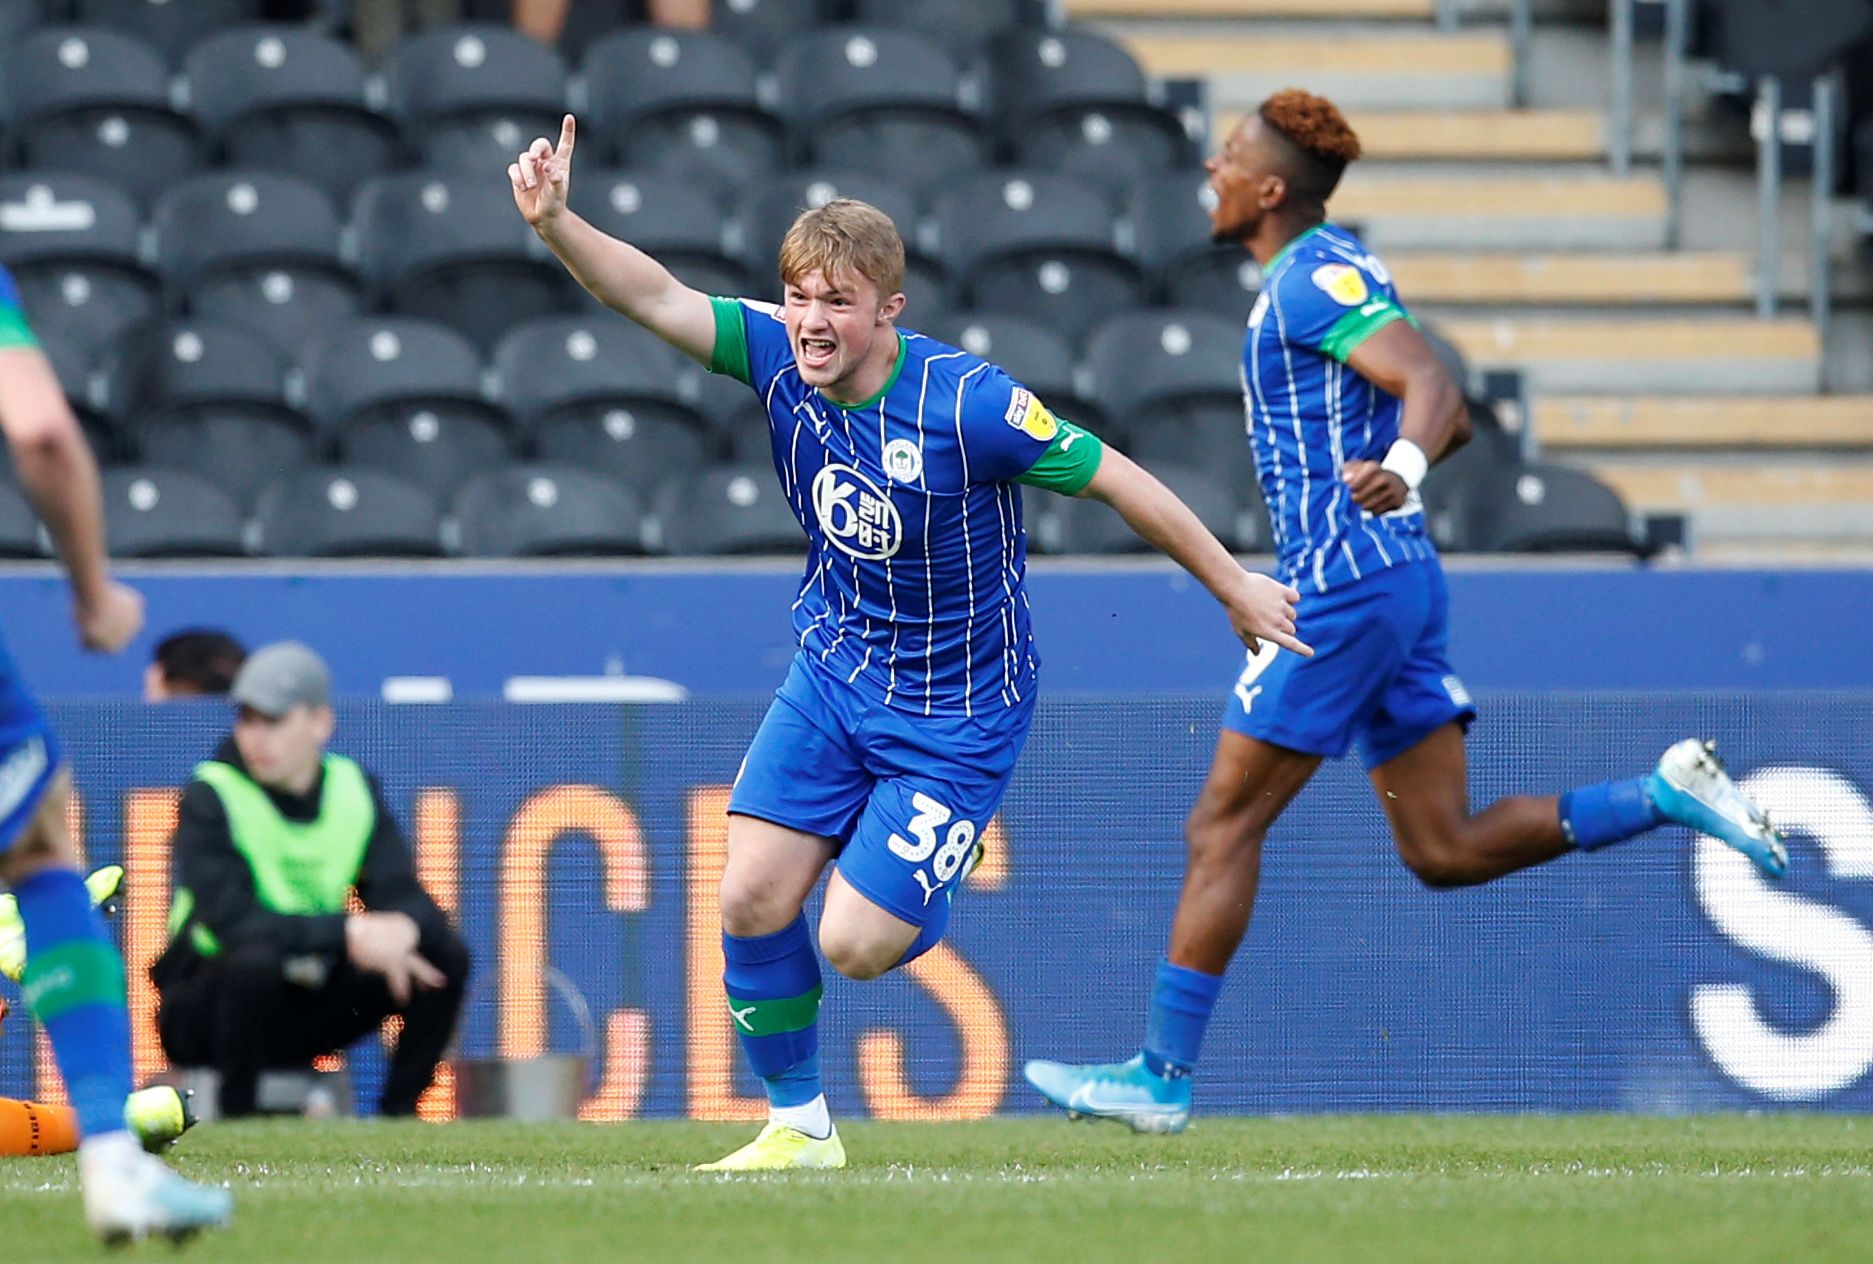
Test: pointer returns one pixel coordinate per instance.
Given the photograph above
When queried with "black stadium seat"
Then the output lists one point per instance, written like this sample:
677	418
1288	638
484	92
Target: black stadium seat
279	98
471	97
377	365
548	510
259	250
1172	379
1551	509
879	99
348	512
209	398
762	26
1171	236
1035	244
438	448
155	512
728	509
172	27
94	102
451	248
71	242
669	218
683	100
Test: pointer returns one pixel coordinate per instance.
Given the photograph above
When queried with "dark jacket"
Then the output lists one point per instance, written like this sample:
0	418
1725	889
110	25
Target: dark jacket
205	862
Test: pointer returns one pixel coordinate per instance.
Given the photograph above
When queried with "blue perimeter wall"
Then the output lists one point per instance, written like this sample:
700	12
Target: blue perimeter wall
1658	976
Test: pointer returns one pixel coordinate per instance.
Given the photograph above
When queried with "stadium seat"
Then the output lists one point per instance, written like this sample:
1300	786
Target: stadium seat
155	512
1077	101
667	217
209	398
18	19
451	248
85	384
347	512
963	26
1456	483
471	97
747	435
770	209
438	449
1035	244
258	250
878	99
94	102
605	396
548	510
279	98
380	365
1552	509
728	509
172	27
762	26
1084	525
662	98
1142	358
71	242
19	527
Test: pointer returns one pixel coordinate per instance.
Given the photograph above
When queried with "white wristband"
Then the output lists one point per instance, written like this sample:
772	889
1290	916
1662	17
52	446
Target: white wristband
1407	460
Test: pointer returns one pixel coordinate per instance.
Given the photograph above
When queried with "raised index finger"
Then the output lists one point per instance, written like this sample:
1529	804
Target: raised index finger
566	137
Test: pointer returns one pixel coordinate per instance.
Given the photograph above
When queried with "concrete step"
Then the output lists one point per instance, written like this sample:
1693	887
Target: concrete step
1692	355
1361	68
1751	498
1489	212
1313	10
1483	135
1744	421
1614	279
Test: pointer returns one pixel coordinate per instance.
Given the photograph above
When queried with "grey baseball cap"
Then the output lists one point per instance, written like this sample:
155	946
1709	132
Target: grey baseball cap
278	677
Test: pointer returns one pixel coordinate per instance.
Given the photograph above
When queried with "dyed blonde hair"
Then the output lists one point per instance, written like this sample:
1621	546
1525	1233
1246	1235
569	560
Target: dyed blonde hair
844	237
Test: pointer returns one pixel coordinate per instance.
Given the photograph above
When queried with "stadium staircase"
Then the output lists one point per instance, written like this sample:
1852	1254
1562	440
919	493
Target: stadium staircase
1505	228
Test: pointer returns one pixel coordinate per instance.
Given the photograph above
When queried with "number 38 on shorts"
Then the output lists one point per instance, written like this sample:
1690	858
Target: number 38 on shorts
941	847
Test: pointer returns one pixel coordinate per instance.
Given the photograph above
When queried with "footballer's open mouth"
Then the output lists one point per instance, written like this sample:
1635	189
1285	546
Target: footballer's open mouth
816	353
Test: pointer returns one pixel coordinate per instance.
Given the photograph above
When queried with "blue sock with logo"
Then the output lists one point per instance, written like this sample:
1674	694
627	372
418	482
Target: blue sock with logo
1610	812
74	985
1181	1001
773	986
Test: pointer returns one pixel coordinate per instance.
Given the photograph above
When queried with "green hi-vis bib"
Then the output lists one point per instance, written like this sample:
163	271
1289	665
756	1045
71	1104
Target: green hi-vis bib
300	867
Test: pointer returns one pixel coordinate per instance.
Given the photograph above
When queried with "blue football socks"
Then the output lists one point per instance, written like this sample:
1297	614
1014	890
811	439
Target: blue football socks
1181	1001
74	985
1610	812
773	985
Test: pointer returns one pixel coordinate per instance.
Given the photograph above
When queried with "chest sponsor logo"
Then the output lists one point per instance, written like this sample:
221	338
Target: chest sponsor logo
855	516
903	461
1341	283
1030	416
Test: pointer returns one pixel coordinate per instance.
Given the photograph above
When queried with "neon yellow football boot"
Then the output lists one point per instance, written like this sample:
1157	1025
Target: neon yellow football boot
783	1149
105	885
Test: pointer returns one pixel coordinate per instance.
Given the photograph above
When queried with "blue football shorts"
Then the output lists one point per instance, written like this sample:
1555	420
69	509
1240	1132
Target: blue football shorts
903	796
29	756
1380	674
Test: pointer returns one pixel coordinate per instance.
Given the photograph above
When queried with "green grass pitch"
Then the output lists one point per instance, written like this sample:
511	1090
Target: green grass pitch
1723	1189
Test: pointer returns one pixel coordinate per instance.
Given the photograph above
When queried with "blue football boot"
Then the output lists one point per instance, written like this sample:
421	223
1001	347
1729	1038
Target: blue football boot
1127	1092
1690	787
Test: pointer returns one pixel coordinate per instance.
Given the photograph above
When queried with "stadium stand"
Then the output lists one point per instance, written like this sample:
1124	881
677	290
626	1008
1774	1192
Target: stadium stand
344	511
548	510
154	512
1049	197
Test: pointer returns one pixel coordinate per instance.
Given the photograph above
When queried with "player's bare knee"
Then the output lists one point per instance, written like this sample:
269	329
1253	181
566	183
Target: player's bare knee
1440	866
751	907
854	955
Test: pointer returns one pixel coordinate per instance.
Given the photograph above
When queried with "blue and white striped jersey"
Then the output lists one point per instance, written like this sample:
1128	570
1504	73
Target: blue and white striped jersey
1309	414
915	583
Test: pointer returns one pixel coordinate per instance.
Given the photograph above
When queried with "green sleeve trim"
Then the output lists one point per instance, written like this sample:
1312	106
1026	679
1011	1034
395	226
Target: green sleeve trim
71	976
1355	327
14	331
1069	462
730	353
777	1016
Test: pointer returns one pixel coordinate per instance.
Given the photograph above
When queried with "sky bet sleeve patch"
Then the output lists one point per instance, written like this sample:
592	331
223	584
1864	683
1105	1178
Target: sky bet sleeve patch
1341	283
1028	415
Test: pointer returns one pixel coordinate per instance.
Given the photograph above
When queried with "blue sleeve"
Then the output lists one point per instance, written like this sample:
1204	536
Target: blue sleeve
750	342
1005	427
1331	306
